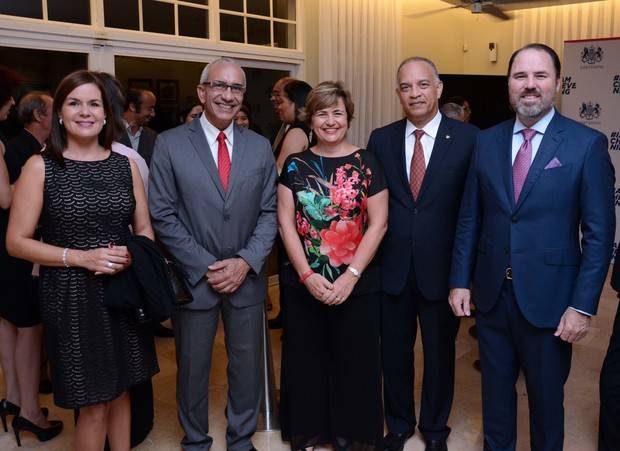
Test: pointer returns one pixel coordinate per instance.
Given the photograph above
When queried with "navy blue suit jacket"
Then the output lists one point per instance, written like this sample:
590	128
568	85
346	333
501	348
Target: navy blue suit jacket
539	237
420	234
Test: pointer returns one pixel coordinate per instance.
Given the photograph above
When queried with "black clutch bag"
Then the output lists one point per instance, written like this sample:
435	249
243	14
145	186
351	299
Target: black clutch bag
182	293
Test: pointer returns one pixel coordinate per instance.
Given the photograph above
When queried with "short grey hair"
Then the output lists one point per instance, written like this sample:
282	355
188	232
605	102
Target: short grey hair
452	110
205	72
31	102
420	59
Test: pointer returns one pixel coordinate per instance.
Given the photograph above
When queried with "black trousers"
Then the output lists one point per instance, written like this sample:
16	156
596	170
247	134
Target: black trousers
399	316
609	423
332	378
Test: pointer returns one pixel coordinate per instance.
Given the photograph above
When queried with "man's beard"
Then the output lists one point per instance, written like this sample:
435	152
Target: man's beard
534	110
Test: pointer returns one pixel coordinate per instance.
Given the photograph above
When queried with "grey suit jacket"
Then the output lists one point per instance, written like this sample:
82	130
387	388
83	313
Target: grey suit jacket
200	223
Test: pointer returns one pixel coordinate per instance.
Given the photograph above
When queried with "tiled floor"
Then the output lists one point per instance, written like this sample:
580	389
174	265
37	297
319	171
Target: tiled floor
581	397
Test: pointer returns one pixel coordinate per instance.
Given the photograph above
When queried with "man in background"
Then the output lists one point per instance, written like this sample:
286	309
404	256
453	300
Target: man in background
139	110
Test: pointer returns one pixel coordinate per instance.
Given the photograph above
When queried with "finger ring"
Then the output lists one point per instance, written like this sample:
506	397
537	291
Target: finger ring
110	264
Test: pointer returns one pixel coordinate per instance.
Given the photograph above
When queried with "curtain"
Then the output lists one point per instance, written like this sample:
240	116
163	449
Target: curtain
555	24
359	44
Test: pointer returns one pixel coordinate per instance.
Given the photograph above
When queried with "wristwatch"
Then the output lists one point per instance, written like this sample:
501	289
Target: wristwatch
354	271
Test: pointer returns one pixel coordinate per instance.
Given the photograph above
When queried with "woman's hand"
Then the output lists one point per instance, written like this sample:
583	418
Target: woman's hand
318	286
342	288
105	260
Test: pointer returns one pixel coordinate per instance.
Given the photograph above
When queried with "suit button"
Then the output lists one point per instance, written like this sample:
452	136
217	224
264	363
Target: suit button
226	218
415	211
506	251
514	219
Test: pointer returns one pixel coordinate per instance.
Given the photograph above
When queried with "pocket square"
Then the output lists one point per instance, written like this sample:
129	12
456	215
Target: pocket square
554	163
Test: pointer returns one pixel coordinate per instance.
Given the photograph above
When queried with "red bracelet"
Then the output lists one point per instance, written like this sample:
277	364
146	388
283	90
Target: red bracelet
305	275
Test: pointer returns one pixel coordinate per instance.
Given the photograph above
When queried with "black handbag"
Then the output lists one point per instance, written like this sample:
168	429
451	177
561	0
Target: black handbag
182	293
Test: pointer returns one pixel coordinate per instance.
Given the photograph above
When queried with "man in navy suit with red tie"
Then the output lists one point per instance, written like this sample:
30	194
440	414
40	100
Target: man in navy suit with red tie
425	158
534	184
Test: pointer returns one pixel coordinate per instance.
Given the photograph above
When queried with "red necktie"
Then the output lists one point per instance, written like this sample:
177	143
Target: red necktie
223	160
523	161
418	166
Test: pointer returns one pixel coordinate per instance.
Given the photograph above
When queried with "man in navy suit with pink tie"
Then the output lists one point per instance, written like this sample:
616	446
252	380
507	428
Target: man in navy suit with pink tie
534	238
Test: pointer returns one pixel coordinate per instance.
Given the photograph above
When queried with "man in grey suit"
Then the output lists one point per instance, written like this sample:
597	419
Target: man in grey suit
212	196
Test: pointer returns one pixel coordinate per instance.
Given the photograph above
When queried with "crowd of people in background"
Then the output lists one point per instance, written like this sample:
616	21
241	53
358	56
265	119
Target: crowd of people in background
432	217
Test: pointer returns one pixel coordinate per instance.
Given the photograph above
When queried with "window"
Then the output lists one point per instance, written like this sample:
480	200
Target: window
76	11
267	23
175	17
260	22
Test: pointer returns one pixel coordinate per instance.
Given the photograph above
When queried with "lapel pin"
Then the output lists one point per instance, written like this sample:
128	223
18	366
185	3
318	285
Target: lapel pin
447	136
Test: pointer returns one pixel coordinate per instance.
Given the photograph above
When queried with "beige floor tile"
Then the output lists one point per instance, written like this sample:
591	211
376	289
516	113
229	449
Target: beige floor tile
581	402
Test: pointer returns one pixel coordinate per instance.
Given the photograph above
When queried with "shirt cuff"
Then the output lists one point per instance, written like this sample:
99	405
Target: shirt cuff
581	311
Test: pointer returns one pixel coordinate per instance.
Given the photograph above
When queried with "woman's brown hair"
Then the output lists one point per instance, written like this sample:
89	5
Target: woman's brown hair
58	136
326	95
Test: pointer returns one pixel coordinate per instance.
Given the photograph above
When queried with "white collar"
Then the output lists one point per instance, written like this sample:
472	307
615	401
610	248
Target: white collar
430	128
211	131
540	126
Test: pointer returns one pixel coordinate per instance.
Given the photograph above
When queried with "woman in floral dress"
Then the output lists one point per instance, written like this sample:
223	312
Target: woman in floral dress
332	211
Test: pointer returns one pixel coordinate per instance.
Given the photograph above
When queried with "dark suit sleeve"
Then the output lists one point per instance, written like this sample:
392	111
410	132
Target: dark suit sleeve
372	143
598	222
467	230
259	245
163	204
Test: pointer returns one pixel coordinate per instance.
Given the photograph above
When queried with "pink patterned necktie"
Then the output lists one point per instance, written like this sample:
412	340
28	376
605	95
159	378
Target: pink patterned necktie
418	166
522	162
223	160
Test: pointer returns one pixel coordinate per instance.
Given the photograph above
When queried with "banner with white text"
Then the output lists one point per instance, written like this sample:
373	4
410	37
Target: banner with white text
591	94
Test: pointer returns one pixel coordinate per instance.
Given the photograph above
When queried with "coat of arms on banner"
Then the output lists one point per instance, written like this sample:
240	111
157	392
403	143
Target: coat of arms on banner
589	111
591	55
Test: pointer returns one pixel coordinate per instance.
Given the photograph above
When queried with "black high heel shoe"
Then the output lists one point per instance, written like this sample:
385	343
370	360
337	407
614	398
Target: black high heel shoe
8	408
43	434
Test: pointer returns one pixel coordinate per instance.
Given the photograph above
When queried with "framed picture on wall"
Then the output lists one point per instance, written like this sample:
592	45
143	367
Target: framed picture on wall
140	83
168	91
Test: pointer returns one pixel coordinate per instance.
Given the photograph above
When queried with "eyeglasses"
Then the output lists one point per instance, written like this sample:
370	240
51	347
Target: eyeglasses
222	86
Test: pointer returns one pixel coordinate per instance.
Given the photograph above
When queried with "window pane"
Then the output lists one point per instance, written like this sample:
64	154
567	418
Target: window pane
259	32
158	17
284	35
129	20
76	11
260	7
231	28
193	22
284	9
23	8
232	5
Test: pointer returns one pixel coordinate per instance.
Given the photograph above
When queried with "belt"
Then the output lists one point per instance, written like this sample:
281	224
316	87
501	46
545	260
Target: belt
508	273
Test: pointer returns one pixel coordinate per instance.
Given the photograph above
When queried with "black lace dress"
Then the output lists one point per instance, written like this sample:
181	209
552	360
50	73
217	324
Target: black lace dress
95	353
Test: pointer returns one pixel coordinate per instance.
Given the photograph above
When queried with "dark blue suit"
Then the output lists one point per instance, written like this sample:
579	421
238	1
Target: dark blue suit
415	268
539	238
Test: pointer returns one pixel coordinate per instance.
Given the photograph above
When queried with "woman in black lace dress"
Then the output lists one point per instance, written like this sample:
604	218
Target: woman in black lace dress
86	198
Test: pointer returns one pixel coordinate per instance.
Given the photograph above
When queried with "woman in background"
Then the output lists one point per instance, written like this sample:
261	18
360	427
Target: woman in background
290	110
20	320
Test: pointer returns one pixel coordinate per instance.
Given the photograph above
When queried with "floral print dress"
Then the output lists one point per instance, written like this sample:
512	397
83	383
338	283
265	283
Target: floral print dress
331	196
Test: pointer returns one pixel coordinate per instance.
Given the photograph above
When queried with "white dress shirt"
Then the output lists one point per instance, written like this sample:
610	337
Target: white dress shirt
133	139
211	133
428	141
540	127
